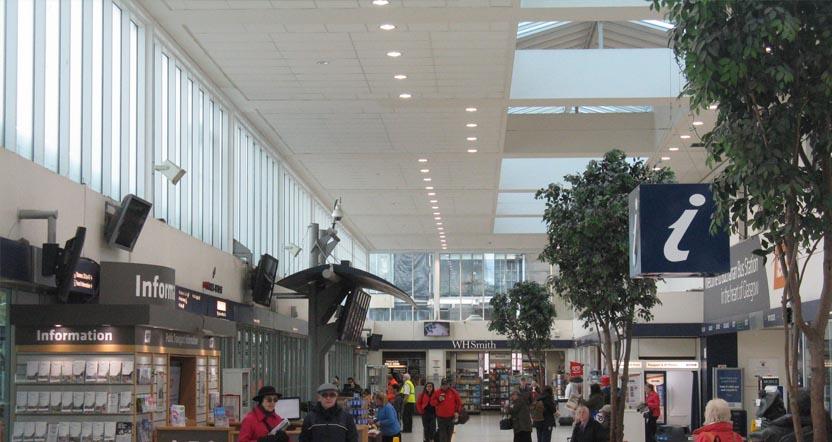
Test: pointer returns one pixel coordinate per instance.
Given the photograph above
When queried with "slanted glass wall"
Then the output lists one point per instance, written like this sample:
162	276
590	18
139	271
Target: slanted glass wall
468	281
275	358
413	273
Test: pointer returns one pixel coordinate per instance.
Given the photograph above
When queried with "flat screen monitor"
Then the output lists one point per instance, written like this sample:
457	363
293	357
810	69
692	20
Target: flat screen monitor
288	408
437	329
123	229
264	276
352	317
67	262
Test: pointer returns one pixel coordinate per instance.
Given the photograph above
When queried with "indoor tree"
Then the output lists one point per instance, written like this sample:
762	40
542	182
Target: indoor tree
524	315
587	227
766	67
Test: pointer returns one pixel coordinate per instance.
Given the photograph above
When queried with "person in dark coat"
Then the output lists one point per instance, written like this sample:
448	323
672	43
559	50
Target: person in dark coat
544	427
587	429
521	420
326	421
596	399
782	430
262	418
351	388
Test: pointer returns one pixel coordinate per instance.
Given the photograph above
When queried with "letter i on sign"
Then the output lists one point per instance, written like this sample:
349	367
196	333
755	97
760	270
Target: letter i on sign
679	228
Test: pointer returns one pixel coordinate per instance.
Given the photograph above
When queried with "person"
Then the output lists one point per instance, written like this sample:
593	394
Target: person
573	390
587	429
336	381
521	421
428	413
596	399
718	425
262	418
546	402
605	389
391	392
397	402
603	417
388	421
771	408
351	388
782	429
326	421
409	397
448	404
654	412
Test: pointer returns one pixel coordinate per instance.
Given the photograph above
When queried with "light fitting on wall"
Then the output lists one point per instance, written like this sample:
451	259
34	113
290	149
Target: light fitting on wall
171	171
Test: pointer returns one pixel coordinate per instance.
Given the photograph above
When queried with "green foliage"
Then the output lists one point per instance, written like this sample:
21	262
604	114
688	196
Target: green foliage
767	65
587	228
524	315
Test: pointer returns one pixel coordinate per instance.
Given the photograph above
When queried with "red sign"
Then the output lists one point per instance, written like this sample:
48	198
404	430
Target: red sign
576	368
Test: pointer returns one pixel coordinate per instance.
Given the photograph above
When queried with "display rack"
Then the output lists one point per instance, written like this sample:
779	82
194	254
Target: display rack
469	385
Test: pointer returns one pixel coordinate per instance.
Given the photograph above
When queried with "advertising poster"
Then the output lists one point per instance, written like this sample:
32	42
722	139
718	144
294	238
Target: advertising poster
728	385
576	368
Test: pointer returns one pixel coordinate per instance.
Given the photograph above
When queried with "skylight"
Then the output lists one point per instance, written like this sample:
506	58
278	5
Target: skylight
541	110
519	225
655	24
531	28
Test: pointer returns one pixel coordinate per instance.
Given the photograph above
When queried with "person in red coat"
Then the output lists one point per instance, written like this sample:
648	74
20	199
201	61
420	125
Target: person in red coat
448	404
654	412
262	418
718	425
428	412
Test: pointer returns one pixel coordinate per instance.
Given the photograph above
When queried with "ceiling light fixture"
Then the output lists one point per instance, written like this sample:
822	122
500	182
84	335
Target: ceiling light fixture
470	109
436	213
673	149
431	193
405	96
472	151
428	187
400	77
471	138
434	201
698	123
440	228
665	158
394	54
387	27
471	125
423	160
427	180
323	62
657	168
684	137
434	207
381	2
712	107
424	170
437	218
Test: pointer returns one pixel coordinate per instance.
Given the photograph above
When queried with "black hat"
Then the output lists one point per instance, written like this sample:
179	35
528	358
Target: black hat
268	390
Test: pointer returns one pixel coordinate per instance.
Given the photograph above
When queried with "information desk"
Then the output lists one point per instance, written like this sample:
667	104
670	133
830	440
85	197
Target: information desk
200	433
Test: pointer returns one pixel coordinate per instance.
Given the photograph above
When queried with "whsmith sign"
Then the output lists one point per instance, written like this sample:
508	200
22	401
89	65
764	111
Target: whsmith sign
127	283
743	290
462	344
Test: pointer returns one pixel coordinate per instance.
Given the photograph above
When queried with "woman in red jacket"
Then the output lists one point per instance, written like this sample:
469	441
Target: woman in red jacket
262	418
428	412
448	405
718	425
655	411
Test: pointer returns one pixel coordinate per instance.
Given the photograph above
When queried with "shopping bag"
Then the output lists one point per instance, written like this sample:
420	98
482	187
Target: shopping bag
505	423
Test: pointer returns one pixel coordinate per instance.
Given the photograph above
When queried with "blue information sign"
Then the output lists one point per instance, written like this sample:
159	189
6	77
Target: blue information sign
670	232
728	385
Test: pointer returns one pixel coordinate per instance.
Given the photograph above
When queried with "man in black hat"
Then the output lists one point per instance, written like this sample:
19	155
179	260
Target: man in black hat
326	421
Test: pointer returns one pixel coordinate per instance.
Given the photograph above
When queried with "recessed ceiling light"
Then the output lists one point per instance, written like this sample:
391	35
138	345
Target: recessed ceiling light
387	27
322	62
684	137
698	123
665	158
436	213
471	125
423	160
424	170
712	107
428	187
440	228
673	149
405	95
431	194
437	218
427	179
472	150
439	224
470	109
400	77
657	168
381	2
471	138
394	54
434	201
434	207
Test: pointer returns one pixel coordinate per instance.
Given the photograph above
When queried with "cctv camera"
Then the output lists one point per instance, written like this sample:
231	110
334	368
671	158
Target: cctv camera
171	171
337	214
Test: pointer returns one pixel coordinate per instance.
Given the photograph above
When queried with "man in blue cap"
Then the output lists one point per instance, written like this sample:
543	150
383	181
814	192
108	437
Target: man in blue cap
326	421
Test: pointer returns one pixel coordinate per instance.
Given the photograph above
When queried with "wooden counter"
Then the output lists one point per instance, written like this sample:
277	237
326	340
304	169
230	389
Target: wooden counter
362	433
200	433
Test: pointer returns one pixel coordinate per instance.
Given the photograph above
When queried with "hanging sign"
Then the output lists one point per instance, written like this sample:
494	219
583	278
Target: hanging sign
128	283
670	232
576	368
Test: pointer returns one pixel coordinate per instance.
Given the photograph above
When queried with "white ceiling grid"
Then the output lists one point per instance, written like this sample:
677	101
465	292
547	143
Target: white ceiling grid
314	77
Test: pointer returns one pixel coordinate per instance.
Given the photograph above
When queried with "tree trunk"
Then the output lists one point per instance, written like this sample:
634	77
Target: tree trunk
622	399
607	345
817	386
791	295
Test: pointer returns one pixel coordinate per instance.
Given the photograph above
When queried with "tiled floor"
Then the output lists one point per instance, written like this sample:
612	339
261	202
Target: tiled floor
482	428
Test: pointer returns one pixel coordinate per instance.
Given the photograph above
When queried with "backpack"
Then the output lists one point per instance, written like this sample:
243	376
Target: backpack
537	411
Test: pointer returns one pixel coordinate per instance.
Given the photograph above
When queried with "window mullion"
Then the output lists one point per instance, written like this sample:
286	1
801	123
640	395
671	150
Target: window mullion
39	81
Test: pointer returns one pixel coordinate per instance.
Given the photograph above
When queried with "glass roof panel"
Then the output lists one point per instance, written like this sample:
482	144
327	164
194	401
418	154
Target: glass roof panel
541	110
530	28
655	24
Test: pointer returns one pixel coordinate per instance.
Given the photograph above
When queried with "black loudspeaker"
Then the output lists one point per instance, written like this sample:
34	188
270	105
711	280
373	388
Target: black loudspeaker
67	262
263	280
123	228
374	342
